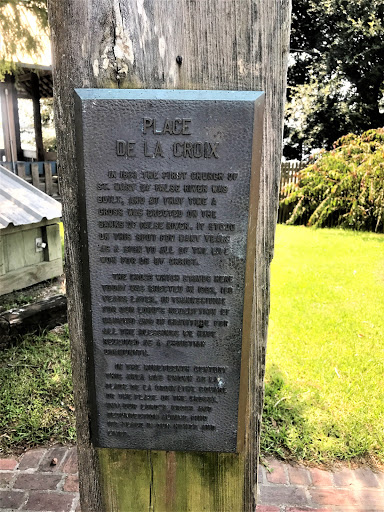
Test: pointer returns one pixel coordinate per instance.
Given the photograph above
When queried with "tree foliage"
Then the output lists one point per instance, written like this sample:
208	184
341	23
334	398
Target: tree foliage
338	51
344	186
20	23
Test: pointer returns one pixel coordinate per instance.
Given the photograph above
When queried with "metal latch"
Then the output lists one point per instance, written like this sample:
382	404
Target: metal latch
40	245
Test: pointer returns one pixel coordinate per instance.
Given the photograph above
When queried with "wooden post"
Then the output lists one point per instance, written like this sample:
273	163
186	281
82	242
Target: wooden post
223	44
37	117
10	119
48	178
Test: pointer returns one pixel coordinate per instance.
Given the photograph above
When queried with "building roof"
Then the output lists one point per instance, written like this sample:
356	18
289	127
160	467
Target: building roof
22	203
23	74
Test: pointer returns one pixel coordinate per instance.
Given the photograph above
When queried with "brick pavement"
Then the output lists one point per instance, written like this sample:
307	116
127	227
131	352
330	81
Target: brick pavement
45	480
285	488
42	480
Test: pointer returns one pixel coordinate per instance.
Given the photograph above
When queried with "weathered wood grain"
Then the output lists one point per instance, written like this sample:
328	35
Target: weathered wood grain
2	265
10	119
53	249
35	175
224	44
25	227
14	250
21	170
48	178
37	116
43	314
27	276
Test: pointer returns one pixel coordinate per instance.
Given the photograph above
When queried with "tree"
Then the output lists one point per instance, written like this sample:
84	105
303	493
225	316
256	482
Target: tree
338	49
20	23
344	187
171	44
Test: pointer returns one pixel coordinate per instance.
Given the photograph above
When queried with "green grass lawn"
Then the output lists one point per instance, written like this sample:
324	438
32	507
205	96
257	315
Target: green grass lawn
325	360
36	402
325	357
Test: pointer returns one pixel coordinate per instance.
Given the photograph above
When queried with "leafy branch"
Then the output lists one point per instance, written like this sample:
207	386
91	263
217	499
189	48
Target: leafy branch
21	24
342	187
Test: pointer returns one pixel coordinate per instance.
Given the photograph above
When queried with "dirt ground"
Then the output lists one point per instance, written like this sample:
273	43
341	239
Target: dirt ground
32	294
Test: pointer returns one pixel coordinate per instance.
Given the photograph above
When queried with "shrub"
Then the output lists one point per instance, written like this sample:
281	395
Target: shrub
343	187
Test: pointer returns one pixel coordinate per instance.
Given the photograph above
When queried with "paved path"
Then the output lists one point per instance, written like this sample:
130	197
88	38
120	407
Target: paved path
298	489
42	479
46	480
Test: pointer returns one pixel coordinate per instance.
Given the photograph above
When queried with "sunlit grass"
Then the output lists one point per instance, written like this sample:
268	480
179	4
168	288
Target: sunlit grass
325	358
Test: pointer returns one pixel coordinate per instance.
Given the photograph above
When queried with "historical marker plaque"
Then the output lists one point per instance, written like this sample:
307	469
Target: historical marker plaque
167	178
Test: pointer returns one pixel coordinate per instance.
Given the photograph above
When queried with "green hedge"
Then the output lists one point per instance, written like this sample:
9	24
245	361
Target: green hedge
343	187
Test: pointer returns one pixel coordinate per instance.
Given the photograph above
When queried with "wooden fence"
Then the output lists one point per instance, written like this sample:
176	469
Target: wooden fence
42	175
289	174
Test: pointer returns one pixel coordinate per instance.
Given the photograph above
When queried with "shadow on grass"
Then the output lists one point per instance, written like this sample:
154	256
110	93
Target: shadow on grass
36	400
285	431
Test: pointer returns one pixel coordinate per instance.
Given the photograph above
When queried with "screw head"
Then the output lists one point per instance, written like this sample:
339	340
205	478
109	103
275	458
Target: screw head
179	60
220	383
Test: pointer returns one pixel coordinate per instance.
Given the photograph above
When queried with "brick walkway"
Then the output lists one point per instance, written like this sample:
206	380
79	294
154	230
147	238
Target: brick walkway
46	480
298	489
42	479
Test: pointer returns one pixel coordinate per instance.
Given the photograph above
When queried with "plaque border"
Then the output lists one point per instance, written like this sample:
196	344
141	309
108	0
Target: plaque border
249	307
256	97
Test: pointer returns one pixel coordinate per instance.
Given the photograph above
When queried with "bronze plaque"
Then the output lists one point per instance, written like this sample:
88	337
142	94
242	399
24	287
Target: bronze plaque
166	181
